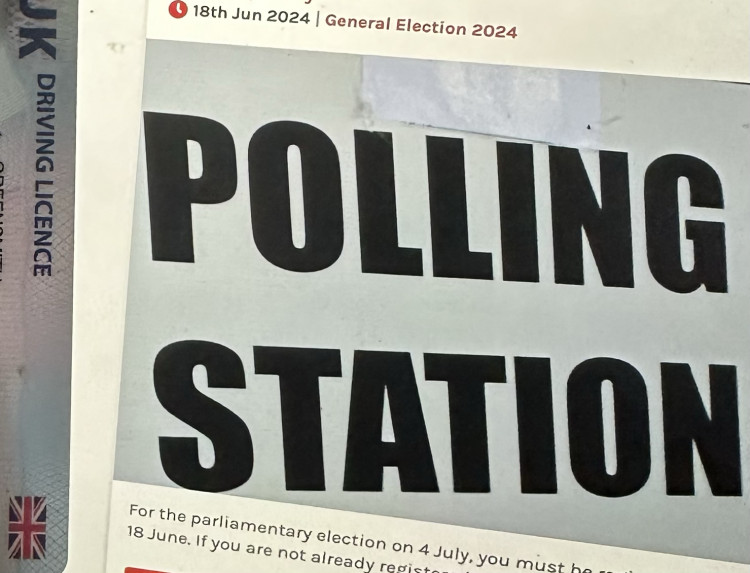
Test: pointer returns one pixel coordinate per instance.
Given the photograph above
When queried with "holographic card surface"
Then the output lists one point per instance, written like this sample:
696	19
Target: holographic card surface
37	151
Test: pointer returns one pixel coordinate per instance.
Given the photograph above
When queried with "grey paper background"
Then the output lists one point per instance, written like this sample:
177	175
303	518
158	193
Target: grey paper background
232	296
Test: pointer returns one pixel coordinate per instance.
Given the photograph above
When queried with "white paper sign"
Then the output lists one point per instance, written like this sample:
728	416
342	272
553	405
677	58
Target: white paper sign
332	308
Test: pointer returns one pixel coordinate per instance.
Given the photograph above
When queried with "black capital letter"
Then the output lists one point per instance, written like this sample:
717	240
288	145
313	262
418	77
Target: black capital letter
171	191
366	453
663	225
298	370
451	256
536	430
270	200
586	427
575	208
38	37
518	231
466	376
233	447
37	13
686	422
376	193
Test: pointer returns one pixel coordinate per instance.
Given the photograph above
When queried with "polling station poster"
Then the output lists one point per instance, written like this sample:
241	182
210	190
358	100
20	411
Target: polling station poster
357	284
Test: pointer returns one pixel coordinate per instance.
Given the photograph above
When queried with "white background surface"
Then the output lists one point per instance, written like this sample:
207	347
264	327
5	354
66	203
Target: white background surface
681	38
133	552
111	44
111	51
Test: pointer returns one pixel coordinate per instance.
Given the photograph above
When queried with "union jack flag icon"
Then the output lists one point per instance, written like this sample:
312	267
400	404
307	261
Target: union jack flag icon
27	527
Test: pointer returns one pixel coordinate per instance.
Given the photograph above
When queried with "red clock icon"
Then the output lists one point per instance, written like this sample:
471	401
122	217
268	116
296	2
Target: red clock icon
178	9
